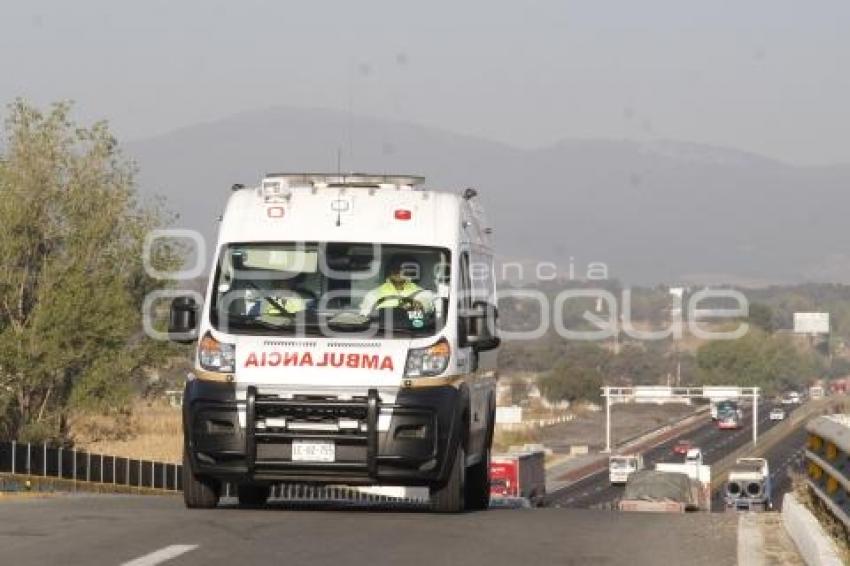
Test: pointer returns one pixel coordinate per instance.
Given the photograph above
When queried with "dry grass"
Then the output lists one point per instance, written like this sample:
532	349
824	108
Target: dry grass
503	439
150	431
833	527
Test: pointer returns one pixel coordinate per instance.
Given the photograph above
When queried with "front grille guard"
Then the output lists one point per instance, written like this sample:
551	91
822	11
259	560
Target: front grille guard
362	409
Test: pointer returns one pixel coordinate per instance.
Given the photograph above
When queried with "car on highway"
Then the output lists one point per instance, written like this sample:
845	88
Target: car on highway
791	398
694	456
777	414
682	446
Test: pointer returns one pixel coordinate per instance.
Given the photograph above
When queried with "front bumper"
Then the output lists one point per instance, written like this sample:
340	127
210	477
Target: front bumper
416	448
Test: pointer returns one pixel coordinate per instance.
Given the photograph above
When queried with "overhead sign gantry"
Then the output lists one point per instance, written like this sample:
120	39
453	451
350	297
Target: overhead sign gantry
661	394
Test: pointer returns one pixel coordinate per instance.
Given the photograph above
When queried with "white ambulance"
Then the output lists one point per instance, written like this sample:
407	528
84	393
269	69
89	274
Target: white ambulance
348	337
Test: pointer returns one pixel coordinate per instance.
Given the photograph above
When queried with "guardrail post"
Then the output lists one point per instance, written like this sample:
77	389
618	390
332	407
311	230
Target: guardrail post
29	458
14	450
101	468
88	466
127	483
755	416
827	454
44	460
74	467
59	461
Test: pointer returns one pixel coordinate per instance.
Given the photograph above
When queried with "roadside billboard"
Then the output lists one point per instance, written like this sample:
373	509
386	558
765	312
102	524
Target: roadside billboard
811	323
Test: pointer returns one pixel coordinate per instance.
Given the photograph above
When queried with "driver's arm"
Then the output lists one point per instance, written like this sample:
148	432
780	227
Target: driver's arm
368	302
426	298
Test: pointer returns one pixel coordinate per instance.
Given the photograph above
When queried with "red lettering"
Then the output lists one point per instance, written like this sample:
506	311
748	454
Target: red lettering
306	359
290	359
352	360
370	362
337	361
324	361
263	359
251	360
387	363
274	359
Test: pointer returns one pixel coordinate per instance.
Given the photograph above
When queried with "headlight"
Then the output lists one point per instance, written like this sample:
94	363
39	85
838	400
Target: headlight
215	356
427	362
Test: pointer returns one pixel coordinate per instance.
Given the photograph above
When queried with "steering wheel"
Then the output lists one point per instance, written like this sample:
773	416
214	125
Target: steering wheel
407	303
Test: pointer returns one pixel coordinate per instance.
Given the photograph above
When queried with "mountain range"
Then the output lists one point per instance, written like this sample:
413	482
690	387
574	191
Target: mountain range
654	212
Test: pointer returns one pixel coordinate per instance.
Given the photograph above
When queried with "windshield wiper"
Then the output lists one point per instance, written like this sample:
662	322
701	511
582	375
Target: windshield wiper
247	320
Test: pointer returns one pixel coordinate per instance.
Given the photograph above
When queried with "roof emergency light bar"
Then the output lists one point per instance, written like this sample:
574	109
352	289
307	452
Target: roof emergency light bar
333	180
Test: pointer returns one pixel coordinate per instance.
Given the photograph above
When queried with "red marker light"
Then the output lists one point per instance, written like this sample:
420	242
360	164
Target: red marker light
275	212
403	214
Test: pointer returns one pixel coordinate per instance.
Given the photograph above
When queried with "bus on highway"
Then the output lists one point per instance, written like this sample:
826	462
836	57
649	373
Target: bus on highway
729	415
347	337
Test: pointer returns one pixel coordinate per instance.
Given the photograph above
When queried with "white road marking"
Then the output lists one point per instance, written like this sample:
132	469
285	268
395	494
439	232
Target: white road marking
750	541
161	555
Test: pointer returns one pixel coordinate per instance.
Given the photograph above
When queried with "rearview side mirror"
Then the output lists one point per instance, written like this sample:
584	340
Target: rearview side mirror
480	327
183	320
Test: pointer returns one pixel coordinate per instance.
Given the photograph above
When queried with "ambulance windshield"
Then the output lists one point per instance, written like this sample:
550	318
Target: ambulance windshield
331	288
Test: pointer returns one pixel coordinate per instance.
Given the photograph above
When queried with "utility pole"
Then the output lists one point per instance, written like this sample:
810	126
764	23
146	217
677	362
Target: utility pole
606	392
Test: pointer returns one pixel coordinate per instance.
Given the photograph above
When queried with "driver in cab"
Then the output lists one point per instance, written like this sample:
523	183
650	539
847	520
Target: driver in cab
285	298
399	290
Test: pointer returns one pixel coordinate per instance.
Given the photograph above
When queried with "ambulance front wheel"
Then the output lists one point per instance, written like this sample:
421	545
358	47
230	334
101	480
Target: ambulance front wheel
199	492
478	484
449	497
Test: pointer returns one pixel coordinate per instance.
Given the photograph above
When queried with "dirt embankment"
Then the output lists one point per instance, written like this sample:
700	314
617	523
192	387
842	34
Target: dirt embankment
627	421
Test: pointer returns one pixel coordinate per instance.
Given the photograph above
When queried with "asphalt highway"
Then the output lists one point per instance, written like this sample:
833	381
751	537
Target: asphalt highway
144	531
595	491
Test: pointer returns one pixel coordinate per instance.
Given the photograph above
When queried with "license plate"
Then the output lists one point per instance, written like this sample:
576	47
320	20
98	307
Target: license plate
313	451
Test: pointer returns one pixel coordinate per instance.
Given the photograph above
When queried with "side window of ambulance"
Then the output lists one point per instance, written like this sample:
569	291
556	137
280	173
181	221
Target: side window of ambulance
481	275
465	299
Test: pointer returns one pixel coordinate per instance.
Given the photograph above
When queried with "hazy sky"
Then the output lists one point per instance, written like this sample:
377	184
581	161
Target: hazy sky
770	76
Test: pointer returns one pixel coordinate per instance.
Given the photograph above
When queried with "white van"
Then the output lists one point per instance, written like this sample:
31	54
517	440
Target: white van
622	466
347	337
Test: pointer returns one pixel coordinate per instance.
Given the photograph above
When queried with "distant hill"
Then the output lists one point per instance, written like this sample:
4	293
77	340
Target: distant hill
653	212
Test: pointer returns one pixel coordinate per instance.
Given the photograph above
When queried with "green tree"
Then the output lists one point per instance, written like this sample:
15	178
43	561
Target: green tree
757	359
568	382
761	316
72	282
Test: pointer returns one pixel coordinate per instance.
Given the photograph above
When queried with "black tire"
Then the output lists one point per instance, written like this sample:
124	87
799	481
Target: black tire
199	492
478	484
252	495
449	497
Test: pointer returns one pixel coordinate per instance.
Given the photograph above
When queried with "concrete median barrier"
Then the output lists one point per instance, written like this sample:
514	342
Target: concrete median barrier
813	544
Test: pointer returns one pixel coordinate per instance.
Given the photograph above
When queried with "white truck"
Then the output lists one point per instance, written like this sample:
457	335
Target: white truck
348	336
748	487
669	488
621	466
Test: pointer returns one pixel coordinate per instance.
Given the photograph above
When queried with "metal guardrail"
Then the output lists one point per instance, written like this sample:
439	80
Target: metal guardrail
828	463
43	461
27	463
